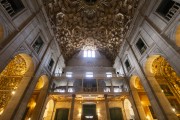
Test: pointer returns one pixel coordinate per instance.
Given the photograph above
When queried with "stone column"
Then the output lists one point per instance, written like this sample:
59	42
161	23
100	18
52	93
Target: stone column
133	105
112	90
40	102
54	111
72	107
67	86
97	85
162	99
107	107
82	87
139	106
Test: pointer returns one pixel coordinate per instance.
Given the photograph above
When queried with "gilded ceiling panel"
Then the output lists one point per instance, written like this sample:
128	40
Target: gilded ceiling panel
99	23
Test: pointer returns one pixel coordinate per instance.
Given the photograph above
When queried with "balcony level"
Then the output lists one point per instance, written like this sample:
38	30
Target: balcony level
81	84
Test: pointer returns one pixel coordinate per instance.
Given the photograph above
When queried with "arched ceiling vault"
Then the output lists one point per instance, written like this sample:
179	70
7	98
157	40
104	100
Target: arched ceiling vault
99	23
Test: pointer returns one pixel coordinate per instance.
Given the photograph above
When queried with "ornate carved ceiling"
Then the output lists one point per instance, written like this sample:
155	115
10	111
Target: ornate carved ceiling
102	23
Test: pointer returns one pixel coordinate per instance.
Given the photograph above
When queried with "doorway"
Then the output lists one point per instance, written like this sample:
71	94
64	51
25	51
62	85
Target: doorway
62	114
89	112
116	113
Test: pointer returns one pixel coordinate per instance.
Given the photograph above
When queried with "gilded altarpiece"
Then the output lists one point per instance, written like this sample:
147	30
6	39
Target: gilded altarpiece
169	82
10	78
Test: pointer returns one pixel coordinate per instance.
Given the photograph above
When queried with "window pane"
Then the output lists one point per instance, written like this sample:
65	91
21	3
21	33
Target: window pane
85	53
127	64
12	6
51	63
89	53
68	74
38	44
109	74
89	74
141	46
168	8
93	53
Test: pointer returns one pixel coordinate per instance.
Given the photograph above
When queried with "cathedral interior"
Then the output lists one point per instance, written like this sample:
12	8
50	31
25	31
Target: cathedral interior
89	59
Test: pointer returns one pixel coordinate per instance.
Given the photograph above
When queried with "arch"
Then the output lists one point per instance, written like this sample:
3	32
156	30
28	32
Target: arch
13	82
37	97
165	83
128	110
177	36
135	82
43	80
1	33
141	99
158	67
49	110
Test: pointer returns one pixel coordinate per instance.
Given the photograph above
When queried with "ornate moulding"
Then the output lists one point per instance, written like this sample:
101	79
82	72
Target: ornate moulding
104	21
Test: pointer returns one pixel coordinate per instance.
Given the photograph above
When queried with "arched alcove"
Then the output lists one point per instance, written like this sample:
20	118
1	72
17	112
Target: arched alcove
135	82
165	82
13	82
49	110
37	96
128	110
141	99
177	36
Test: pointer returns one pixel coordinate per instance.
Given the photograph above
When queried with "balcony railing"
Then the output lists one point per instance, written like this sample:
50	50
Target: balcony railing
84	90
172	11
8	7
12	6
81	76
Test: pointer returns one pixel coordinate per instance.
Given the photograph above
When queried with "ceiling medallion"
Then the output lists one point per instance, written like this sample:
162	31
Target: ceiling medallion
104	21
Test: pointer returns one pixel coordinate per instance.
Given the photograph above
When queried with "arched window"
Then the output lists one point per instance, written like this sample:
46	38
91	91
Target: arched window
89	53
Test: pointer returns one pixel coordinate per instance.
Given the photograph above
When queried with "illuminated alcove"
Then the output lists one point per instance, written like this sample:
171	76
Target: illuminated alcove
36	97
141	99
49	110
12	81
128	110
160	72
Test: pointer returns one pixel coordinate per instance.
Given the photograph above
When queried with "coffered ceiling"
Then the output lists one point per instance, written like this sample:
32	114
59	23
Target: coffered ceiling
97	24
